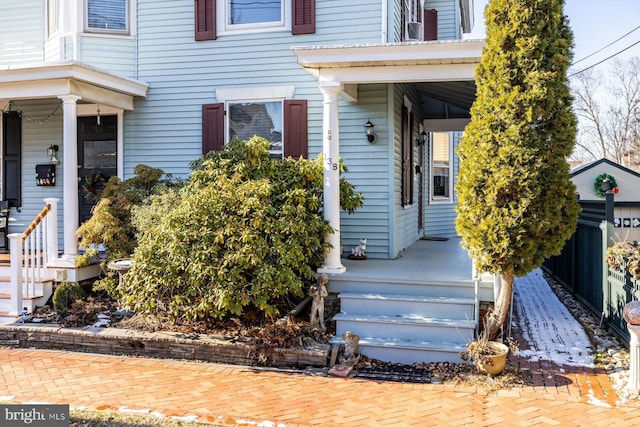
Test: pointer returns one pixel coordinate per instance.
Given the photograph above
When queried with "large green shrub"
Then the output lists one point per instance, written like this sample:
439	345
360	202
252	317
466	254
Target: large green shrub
245	230
516	202
110	223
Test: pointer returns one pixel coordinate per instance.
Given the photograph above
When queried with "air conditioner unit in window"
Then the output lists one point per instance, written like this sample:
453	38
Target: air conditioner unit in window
414	31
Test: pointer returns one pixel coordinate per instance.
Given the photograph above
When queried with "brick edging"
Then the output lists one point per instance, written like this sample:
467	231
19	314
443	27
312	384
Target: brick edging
164	345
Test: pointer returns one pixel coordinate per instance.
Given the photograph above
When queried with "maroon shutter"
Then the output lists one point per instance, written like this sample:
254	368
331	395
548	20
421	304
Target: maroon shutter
12	158
304	17
205	19
295	128
430	24
212	127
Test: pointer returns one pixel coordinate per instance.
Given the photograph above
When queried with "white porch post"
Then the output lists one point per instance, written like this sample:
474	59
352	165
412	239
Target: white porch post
331	151
70	170
52	230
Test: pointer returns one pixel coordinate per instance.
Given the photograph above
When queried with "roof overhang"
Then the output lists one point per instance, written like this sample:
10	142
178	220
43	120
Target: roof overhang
69	78
430	61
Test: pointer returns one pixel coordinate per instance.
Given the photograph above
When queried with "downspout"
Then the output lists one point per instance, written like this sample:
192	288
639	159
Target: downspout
384	24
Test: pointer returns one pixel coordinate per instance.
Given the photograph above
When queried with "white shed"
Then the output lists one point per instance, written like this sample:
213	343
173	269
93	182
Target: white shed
626	193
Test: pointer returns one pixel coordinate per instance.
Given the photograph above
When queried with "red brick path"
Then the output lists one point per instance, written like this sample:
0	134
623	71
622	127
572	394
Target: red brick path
237	396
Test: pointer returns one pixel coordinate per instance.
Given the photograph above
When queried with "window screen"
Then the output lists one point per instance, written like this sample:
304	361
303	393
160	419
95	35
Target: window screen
107	15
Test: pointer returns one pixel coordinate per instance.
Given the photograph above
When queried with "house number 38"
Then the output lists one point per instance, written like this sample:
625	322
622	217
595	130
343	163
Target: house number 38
332	165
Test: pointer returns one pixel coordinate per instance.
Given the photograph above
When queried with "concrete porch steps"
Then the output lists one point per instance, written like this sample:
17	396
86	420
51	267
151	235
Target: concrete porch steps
406	351
416	305
408	310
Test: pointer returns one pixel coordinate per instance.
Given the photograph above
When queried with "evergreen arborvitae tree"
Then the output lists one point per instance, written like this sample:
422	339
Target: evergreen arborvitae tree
516	202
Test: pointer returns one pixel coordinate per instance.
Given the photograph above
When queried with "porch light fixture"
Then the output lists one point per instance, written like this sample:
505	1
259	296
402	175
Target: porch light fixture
368	130
422	138
52	152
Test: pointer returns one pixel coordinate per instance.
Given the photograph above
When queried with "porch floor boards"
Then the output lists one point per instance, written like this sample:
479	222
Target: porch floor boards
426	261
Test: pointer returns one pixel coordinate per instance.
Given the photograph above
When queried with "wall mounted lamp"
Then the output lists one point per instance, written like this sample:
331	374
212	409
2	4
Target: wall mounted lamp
368	130
422	138
52	152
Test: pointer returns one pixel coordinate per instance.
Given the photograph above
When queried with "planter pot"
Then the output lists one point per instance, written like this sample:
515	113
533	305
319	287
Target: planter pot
493	364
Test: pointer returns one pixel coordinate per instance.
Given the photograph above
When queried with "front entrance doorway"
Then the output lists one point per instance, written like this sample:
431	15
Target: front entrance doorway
97	159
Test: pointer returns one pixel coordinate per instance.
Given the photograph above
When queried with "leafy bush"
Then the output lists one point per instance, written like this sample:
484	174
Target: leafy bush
110	223
246	230
65	295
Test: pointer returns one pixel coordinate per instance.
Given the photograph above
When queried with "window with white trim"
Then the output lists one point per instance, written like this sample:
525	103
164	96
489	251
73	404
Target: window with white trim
262	118
107	16
252	15
53	17
441	155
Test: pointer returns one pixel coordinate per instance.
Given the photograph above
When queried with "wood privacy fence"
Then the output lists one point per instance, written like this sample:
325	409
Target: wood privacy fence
581	268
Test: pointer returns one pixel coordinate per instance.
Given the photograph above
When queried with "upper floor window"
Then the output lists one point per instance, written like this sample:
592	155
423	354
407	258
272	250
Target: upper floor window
250	15
252	12
215	17
53	17
108	16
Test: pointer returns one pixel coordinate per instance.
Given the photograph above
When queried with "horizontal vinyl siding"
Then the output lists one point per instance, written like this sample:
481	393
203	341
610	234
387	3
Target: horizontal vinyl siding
164	130
440	217
35	140
406	217
21	32
108	53
368	170
447	18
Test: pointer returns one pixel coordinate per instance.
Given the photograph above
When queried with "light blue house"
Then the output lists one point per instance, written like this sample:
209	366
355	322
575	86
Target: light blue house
100	86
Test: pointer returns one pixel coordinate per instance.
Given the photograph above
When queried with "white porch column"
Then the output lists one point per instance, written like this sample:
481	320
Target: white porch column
70	169
331	151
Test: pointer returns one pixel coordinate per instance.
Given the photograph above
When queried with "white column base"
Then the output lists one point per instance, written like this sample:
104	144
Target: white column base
332	269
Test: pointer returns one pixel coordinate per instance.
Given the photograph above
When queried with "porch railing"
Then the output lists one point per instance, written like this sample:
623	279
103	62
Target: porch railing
30	253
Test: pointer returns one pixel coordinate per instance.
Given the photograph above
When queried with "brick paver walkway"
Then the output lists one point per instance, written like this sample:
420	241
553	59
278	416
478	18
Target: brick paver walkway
236	395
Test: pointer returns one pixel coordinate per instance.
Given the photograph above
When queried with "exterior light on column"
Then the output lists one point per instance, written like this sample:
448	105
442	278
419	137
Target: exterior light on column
368	130
52	152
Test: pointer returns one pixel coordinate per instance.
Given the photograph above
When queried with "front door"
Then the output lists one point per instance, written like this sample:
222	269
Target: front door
97	159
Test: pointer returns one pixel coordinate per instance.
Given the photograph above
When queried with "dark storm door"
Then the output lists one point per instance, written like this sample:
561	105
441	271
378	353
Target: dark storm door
97	159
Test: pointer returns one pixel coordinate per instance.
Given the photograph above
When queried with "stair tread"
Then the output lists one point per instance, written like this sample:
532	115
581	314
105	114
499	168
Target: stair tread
405	297
400	343
7	296
404	319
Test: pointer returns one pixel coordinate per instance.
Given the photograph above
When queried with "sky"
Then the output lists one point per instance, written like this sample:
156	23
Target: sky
595	24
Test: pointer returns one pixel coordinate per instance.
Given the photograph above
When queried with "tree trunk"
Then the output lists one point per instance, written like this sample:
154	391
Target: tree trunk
500	313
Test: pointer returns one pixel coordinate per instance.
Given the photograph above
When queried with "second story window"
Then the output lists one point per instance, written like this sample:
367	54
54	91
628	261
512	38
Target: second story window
252	12
53	17
109	16
251	15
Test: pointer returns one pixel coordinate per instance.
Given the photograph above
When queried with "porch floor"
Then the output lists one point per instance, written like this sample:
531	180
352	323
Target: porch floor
425	261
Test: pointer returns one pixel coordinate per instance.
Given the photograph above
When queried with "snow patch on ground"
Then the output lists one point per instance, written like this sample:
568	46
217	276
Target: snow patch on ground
547	325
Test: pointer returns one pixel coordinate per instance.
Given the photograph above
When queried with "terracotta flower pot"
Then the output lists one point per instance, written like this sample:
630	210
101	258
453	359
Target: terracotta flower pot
493	363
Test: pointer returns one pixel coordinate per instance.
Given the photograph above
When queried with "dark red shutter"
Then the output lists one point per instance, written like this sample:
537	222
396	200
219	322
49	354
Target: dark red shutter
11	158
430	24
295	128
304	17
212	127
205	19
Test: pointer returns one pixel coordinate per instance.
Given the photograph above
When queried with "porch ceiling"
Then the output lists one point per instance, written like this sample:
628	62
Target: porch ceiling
51	81
443	72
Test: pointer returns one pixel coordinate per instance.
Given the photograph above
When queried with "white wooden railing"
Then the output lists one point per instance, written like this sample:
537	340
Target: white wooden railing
30	253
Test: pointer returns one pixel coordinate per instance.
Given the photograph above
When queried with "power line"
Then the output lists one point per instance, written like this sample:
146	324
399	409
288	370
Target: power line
606	59
603	48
